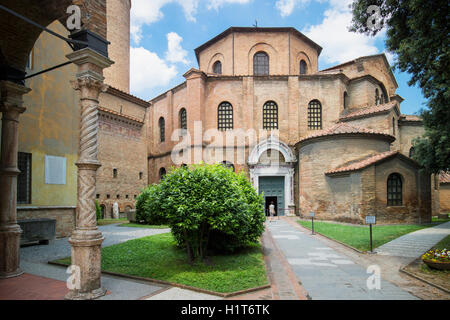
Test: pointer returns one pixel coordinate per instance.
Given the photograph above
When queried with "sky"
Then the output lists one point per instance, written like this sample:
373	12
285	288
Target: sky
164	34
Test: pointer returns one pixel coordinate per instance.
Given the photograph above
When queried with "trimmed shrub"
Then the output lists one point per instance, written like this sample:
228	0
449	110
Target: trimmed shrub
208	207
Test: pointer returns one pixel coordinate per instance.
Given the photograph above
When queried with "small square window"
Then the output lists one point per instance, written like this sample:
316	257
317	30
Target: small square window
97	196
108	196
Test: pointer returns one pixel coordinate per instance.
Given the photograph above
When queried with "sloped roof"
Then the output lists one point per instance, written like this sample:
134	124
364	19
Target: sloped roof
120	114
364	163
256	29
382	55
444	177
410	117
369	111
345	129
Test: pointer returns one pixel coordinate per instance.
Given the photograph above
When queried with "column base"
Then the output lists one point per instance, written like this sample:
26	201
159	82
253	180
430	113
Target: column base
9	251
77	295
86	259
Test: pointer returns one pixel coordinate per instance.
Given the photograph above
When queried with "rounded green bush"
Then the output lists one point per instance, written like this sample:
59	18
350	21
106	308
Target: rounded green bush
208	208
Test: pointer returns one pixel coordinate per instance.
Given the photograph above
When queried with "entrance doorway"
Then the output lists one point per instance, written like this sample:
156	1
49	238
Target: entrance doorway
270	200
273	190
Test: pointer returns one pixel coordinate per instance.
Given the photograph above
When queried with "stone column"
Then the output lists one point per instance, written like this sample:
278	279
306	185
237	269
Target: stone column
86	239
11	108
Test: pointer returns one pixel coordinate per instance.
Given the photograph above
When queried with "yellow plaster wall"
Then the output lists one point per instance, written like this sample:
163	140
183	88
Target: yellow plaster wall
50	123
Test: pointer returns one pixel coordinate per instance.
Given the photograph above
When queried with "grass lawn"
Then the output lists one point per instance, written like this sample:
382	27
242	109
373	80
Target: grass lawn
104	222
358	236
443	244
138	225
436	219
157	257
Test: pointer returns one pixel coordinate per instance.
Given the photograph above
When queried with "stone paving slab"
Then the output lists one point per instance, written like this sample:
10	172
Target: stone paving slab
414	244
183	294
327	274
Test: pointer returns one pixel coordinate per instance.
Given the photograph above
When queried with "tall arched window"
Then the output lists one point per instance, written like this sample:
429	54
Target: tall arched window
225	116
346	100
270	116
394	190
162	130
183	119
411	152
261	64
393	126
315	115
303	67
217	67
377	97
162	173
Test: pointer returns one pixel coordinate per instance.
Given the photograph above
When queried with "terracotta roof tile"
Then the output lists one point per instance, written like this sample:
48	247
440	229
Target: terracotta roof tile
119	114
343	128
410	117
369	111
444	177
358	165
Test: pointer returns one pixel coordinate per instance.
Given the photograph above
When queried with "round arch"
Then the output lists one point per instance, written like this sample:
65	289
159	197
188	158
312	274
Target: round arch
269	50
271	143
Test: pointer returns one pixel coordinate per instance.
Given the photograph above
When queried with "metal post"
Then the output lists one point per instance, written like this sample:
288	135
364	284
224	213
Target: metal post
312	226
371	250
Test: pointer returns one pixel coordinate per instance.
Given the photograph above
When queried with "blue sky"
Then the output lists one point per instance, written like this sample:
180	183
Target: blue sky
165	33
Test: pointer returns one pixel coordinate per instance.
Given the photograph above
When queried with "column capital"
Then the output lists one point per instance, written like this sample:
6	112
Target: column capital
11	97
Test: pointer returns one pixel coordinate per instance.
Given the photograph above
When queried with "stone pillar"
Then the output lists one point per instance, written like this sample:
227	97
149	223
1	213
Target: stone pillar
86	239
11	108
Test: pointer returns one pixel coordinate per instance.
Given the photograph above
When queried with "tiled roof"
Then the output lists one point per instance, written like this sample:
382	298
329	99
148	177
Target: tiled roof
358	165
343	128
409	117
359	113
119	114
444	177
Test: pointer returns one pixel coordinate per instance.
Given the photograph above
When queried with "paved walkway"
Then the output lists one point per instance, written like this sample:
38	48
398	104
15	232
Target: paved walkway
414	244
325	273
39	274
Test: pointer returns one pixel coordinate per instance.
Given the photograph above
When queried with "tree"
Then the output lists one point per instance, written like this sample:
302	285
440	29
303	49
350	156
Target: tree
417	32
207	207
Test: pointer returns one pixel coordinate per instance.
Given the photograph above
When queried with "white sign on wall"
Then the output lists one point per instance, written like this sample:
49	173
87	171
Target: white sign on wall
55	170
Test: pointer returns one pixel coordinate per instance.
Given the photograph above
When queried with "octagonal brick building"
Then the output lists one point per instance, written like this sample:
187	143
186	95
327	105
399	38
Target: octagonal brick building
331	141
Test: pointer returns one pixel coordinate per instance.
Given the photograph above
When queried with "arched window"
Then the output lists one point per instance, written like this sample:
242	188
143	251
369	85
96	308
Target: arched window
228	164
393	126
411	152
114	173
303	67
270	116
346	100
183	119
225	116
394	190
377	97
217	67
162	130
315	115
261	64
162	173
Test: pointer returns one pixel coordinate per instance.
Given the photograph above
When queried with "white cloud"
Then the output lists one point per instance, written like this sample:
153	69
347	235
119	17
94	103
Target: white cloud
145	12
175	53
390	57
287	6
216	4
339	44
149	71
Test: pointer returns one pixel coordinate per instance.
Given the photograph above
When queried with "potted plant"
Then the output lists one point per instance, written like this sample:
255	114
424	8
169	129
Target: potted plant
437	259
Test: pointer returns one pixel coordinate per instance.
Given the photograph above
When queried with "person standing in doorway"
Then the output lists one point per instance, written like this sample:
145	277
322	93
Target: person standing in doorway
271	210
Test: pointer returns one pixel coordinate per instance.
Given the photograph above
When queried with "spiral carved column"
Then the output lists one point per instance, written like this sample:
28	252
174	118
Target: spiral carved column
86	239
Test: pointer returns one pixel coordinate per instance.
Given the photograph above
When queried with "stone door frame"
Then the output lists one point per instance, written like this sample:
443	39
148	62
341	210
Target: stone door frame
285	170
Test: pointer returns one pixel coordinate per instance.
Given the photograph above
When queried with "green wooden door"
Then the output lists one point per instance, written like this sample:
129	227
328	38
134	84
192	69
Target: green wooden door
273	187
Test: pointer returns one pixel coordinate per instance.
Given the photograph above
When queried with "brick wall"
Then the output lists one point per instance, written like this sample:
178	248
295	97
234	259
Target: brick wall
64	216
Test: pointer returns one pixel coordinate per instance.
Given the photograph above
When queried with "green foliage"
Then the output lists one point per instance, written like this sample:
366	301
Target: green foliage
98	211
417	32
207	207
